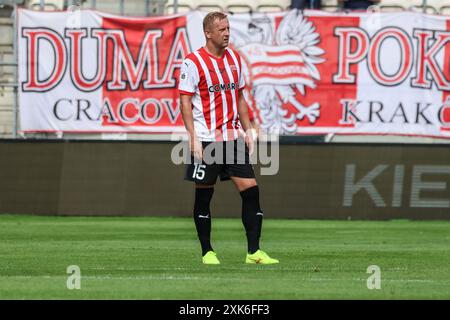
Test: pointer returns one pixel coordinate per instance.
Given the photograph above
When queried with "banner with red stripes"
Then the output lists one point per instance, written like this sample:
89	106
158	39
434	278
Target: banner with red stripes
305	73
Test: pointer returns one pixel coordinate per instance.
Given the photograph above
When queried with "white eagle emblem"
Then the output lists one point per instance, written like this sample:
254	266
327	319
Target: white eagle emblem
277	66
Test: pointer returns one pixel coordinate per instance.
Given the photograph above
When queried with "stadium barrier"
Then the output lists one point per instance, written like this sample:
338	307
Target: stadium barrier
314	181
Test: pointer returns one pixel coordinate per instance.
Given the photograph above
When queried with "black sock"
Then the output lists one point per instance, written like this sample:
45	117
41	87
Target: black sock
202	217
252	216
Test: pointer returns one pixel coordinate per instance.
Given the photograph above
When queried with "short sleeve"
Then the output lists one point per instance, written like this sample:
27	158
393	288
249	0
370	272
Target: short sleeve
241	78
189	78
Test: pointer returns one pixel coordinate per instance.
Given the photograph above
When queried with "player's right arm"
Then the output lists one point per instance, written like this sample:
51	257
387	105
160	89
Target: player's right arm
187	87
188	119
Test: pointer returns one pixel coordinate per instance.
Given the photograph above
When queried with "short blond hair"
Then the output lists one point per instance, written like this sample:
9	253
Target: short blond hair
211	17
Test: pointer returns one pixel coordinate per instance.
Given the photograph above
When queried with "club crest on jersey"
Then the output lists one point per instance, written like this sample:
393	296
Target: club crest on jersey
223	87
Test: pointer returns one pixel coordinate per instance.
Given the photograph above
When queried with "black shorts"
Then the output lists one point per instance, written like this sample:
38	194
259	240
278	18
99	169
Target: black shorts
222	159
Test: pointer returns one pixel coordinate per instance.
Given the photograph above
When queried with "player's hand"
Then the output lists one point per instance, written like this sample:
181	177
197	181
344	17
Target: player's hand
196	149
250	138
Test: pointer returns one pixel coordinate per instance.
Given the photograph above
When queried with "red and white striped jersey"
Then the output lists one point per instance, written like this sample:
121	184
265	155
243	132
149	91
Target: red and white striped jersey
214	85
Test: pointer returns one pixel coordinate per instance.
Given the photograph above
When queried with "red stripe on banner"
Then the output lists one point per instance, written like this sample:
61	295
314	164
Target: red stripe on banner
283	53
446	94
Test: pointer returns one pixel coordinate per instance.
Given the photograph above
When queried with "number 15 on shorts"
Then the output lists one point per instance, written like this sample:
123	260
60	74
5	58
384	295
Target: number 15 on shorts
199	171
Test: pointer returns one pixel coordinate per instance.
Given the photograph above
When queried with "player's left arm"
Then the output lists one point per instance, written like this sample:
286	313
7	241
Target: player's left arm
244	118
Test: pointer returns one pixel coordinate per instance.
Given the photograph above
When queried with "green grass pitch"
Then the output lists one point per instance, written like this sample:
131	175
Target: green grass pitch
159	258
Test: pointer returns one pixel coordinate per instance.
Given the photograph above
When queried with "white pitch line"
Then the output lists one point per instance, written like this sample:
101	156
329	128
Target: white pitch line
299	280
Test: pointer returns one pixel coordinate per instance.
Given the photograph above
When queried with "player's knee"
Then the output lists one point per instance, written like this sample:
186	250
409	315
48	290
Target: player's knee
251	192
246	185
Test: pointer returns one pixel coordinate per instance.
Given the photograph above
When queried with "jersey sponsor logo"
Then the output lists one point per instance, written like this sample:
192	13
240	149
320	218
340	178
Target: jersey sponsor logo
223	87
